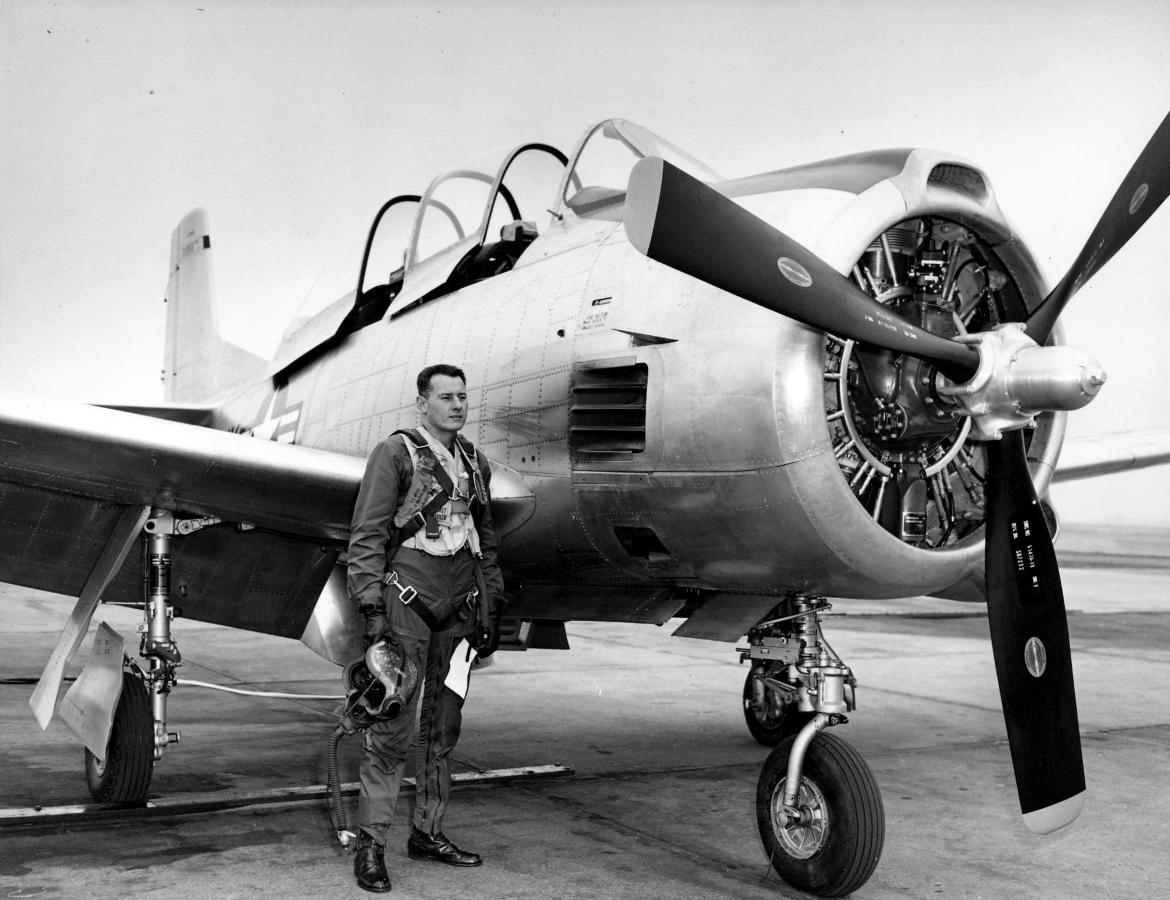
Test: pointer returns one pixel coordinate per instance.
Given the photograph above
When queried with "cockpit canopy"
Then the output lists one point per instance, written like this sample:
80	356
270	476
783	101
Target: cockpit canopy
477	220
514	195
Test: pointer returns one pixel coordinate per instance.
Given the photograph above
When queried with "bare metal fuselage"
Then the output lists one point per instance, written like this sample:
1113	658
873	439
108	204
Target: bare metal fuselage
734	484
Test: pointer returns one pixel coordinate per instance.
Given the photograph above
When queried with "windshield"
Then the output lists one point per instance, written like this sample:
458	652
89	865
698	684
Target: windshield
597	185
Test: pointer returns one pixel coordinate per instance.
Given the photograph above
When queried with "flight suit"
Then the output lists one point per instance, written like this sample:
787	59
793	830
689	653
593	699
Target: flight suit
445	582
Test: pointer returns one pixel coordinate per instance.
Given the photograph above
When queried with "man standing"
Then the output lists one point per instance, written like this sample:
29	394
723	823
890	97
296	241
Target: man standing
422	569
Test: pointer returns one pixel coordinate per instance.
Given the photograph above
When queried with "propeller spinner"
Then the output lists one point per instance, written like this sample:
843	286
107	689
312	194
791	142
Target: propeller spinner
1001	378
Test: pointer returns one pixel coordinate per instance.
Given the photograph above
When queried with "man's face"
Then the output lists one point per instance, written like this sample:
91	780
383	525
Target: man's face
444	406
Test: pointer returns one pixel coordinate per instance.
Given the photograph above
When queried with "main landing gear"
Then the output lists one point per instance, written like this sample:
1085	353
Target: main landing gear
139	733
818	806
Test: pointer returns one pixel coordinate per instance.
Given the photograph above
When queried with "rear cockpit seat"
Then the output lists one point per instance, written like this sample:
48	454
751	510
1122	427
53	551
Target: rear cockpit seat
498	257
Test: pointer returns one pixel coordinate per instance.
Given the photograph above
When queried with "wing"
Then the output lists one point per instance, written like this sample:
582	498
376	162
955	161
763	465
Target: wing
69	473
1087	457
73	475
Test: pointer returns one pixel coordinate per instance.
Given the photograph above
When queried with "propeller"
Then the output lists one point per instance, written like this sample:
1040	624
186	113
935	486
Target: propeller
683	223
677	220
1141	192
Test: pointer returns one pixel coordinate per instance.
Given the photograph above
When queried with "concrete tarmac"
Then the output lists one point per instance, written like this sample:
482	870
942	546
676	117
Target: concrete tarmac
662	802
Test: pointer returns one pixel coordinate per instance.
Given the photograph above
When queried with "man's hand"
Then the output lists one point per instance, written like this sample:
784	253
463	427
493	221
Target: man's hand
377	624
487	640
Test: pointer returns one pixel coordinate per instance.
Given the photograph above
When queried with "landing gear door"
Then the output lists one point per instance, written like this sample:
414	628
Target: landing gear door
89	704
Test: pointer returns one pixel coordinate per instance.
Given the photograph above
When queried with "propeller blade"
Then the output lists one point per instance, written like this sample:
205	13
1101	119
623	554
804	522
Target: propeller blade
1140	194
1029	639
681	222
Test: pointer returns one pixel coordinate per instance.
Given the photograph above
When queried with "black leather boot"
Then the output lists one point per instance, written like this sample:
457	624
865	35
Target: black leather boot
369	866
440	849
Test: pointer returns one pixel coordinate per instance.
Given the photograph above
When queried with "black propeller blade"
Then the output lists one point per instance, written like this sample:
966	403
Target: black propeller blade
1029	639
681	222
1140	193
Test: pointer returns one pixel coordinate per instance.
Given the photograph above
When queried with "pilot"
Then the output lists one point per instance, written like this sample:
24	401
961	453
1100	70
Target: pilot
422	570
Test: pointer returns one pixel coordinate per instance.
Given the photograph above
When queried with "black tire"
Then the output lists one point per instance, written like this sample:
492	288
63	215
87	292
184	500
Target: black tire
772	729
123	776
836	852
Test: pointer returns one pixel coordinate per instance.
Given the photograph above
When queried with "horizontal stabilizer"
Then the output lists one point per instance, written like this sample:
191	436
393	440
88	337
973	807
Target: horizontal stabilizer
187	413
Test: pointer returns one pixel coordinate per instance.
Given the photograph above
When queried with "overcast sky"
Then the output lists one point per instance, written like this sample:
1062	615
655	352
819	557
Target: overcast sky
291	122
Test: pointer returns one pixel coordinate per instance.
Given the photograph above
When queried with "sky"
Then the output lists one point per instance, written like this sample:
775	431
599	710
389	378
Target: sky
291	123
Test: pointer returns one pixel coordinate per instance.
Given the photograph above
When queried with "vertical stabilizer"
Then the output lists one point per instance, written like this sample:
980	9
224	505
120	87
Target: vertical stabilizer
199	364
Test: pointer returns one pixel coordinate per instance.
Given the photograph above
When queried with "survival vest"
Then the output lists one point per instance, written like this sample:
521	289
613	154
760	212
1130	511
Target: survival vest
421	503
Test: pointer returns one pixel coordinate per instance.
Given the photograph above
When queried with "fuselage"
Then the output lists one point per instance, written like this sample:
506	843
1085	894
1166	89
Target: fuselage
673	437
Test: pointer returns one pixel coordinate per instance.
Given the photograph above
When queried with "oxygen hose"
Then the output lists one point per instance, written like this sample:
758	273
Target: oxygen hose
336	806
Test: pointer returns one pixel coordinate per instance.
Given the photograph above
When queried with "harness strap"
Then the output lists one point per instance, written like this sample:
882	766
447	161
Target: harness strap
407	594
426	517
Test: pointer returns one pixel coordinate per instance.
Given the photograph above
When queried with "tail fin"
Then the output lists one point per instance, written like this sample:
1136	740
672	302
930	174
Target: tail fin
199	364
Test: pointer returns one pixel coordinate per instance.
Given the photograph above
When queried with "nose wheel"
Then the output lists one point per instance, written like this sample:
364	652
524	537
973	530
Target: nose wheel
828	842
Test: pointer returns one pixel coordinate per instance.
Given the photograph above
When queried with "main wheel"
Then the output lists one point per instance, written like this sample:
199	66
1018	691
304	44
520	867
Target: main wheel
123	775
773	726
837	843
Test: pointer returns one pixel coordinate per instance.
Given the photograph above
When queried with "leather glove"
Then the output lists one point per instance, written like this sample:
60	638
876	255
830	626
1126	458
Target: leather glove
377	624
487	640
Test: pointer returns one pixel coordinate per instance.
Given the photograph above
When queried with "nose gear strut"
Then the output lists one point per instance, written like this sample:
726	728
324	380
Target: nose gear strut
818	806
794	671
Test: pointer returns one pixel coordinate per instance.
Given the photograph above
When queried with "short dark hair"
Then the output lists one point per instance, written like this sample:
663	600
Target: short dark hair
424	377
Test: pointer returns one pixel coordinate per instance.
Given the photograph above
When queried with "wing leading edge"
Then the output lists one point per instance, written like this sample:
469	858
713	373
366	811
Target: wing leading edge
69	472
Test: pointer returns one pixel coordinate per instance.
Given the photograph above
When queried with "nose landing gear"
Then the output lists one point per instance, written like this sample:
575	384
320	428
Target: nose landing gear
829	840
818	806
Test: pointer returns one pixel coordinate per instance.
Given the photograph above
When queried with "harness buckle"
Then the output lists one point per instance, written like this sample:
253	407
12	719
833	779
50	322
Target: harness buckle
406	592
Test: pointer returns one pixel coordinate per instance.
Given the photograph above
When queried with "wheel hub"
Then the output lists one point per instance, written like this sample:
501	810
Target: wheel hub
802	835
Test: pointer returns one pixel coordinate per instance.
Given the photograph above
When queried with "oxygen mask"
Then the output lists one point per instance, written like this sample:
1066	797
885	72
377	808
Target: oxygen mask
379	685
